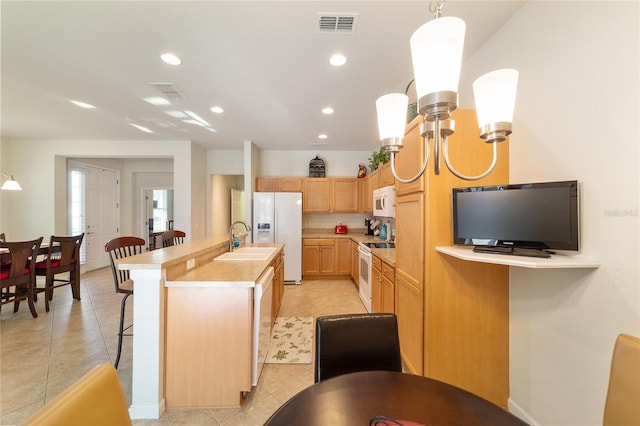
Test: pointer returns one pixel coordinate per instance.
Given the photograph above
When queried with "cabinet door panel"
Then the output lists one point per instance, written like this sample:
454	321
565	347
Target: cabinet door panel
327	259
345	195
410	158
316	196
410	312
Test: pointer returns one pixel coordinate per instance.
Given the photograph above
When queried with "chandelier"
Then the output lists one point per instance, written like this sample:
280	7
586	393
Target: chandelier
436	51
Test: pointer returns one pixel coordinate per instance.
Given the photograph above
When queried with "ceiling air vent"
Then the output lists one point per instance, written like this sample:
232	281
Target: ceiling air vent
169	90
337	23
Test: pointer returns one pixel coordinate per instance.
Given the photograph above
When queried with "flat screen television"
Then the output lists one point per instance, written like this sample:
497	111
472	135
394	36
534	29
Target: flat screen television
522	219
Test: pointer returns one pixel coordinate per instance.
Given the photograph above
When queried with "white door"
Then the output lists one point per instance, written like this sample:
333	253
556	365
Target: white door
102	213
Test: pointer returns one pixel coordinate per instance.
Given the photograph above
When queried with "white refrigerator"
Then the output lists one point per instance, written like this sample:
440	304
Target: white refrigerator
277	218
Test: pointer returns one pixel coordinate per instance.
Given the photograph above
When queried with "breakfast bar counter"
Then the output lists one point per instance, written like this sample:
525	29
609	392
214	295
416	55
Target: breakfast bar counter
181	292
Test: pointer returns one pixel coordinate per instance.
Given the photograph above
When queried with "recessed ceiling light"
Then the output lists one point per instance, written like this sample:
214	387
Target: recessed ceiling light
322	136
142	128
170	59
82	104
217	110
327	110
338	60
198	118
157	100
176	114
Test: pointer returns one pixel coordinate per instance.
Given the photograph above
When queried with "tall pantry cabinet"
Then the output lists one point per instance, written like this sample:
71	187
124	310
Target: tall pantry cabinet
453	315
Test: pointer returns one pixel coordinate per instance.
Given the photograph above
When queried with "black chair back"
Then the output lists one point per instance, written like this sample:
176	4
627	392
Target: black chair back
356	342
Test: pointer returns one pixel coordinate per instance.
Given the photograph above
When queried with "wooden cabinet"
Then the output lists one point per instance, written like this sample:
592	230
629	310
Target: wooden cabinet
370	184
282	184
410	307
410	279
385	176
388	288
410	158
330	195
344	195
318	256
355	263
376	284
343	256
453	316
316	196
278	285
264	184
383	296
290	184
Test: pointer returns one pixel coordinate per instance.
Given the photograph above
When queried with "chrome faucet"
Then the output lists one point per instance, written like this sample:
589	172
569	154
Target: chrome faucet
247	227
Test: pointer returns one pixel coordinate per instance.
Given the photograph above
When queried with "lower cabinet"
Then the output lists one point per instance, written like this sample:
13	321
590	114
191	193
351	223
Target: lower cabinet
410	308
388	288
318	256
278	285
343	256
383	296
326	257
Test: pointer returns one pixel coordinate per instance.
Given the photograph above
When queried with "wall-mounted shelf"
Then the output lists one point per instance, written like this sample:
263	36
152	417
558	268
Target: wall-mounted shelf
556	261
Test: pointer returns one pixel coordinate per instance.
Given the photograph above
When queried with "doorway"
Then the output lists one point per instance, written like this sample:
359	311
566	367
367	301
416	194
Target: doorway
157	213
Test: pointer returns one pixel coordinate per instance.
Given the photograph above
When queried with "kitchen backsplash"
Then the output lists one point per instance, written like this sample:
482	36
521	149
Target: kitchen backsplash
352	220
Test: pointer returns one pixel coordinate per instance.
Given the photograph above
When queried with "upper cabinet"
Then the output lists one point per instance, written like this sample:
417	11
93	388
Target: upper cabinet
316	196
279	184
385	177
344	195
409	159
330	195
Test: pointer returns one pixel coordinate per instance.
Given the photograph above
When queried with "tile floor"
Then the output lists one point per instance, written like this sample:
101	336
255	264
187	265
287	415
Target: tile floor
41	357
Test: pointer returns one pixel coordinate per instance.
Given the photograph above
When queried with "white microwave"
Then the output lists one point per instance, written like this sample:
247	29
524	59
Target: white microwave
384	201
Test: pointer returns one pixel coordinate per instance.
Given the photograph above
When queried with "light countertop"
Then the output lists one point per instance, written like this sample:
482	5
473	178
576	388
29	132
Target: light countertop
358	235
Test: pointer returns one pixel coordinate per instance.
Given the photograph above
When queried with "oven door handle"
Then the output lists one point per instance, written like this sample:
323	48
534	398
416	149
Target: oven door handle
364	253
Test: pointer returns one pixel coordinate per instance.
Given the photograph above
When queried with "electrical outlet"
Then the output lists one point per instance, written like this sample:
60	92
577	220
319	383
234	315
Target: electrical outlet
191	263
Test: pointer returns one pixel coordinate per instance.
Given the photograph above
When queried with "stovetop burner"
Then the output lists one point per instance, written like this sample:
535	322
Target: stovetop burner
380	245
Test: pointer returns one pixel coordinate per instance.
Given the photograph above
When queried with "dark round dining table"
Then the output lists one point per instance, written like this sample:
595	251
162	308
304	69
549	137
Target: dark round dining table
356	398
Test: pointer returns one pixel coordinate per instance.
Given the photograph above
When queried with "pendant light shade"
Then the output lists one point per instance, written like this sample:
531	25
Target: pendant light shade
10	184
392	115
436	51
495	96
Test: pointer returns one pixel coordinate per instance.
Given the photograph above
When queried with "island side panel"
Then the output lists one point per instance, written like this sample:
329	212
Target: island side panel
208	346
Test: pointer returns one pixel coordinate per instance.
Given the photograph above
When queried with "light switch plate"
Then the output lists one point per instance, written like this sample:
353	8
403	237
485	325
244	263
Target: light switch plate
191	263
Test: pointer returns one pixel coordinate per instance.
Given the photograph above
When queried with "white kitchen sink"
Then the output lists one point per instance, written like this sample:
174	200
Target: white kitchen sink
248	254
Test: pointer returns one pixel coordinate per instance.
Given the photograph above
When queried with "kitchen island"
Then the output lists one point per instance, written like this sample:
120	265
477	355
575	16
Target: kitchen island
182	294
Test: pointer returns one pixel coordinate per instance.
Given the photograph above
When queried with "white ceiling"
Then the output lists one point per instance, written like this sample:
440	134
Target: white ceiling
264	62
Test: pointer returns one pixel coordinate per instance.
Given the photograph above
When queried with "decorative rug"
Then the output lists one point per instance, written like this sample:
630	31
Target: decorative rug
291	341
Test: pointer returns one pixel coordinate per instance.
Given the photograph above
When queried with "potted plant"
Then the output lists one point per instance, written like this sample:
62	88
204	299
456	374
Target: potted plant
377	158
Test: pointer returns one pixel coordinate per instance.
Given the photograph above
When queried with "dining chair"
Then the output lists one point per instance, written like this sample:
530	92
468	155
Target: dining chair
622	405
63	257
96	398
17	274
119	248
356	342
172	237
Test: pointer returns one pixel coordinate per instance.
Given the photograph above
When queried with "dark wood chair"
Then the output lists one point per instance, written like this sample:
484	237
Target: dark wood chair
63	257
351	343
17	276
172	238
119	248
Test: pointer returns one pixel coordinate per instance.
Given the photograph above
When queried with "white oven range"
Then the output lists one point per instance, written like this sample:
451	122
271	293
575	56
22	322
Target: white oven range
364	275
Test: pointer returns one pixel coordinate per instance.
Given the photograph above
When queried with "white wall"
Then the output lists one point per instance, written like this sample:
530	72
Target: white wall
41	167
296	163
576	118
